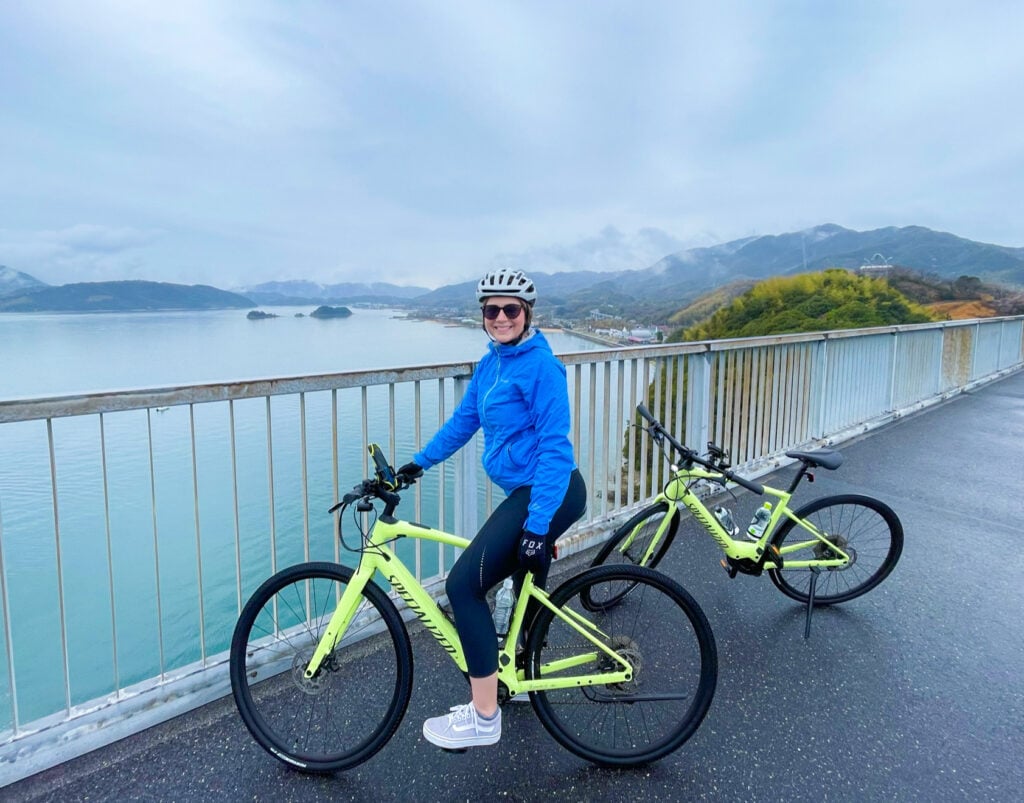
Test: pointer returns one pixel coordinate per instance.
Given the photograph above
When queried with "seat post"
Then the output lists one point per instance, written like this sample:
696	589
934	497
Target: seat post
799	476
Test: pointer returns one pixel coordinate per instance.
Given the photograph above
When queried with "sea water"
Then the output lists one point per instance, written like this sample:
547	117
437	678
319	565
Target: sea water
55	354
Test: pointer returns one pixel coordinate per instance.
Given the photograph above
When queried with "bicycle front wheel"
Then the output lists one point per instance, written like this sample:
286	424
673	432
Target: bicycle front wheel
641	541
664	636
320	724
868	530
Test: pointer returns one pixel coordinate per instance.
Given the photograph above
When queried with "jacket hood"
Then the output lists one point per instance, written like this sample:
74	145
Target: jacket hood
533	339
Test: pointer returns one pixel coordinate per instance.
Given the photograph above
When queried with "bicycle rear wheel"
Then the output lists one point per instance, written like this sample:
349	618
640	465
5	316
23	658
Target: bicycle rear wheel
865	528
666	638
319	724
629	545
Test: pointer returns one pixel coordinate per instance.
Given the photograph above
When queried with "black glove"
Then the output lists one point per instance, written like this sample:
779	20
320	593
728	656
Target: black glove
409	472
533	552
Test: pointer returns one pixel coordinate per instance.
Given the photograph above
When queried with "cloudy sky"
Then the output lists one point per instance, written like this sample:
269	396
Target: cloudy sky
229	143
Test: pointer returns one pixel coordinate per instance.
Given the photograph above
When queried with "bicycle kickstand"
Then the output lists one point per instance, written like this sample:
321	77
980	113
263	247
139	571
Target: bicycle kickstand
815	571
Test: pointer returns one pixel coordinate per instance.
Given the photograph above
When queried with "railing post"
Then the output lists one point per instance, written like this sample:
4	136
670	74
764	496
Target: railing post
698	395
892	371
8	641
466	463
999	348
822	372
974	351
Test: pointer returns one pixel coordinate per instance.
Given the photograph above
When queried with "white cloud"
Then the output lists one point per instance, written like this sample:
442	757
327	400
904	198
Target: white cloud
609	250
80	253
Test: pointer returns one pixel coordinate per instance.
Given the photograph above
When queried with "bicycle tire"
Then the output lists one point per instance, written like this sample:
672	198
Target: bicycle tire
668	640
869	530
318	725
643	526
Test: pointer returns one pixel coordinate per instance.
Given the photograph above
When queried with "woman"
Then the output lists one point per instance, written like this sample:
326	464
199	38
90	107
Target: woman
518	395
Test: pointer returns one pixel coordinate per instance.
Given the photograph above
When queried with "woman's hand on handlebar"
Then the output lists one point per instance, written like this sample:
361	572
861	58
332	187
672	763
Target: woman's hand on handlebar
409	473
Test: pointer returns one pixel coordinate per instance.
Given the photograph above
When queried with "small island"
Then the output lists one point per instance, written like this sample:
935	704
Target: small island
330	312
259	315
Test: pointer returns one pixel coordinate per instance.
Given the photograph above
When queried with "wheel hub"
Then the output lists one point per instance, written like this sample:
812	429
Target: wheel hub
824	552
318	683
628	649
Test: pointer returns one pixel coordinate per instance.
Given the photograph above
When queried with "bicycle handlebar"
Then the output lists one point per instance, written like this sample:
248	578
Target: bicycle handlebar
659	431
377	489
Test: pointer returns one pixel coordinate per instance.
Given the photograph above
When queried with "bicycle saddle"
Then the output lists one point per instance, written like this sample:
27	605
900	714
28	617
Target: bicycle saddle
826	458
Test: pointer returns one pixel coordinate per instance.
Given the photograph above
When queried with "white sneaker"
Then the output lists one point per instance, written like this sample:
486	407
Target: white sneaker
463	727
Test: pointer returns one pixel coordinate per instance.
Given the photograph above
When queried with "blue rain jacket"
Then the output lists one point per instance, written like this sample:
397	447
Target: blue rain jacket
518	395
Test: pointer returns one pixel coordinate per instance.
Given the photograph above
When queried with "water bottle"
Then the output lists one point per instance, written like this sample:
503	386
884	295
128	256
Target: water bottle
724	516
504	601
760	521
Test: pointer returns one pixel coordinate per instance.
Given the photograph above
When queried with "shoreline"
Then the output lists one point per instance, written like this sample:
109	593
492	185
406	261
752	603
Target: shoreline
456	323
604	341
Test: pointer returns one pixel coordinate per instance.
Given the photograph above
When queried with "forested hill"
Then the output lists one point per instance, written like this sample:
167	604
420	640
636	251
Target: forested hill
811	302
127	296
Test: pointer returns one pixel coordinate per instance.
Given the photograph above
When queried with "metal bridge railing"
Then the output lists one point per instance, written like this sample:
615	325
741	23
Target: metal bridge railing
134	525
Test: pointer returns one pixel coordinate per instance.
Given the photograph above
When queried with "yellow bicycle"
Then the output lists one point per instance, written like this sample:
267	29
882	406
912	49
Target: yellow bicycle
831	550
321	663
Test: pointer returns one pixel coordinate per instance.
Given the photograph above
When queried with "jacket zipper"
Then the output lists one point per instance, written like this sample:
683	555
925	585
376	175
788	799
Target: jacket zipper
497	378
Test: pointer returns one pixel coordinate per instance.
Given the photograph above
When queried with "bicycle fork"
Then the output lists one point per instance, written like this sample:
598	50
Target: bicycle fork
340	619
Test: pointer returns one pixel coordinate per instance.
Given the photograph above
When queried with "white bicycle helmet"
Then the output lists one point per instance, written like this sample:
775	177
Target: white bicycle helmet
506	282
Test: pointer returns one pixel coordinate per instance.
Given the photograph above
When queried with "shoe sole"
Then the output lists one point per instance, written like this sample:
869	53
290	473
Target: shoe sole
451	744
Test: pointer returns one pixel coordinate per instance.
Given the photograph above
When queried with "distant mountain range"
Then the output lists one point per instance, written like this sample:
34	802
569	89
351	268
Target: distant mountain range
660	288
127	296
304	292
679	278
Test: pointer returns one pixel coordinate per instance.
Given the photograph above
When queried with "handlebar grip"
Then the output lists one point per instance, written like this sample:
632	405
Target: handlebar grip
646	414
750	486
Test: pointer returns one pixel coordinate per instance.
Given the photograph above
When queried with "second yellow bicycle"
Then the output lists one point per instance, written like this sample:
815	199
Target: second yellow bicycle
831	550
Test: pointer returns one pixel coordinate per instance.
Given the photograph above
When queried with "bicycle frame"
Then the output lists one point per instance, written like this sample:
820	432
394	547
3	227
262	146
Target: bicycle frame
678	492
377	556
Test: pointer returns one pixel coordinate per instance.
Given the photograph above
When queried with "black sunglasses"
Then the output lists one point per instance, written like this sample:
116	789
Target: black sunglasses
511	311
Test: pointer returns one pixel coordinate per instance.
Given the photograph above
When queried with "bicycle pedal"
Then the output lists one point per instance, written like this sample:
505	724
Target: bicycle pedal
730	570
455	749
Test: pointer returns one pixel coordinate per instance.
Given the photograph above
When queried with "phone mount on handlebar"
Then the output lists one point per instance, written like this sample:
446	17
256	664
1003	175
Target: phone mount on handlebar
385	473
718	455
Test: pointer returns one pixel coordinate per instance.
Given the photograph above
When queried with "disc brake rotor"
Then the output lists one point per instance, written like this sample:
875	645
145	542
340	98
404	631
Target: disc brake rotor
318	683
825	552
628	649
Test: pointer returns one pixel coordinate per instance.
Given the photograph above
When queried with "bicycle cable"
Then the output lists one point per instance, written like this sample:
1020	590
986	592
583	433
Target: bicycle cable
364	506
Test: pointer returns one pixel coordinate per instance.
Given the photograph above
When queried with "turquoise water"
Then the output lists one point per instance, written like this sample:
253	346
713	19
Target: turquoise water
156	526
61	354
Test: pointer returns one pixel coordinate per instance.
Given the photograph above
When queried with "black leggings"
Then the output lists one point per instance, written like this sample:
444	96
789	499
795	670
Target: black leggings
491	557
